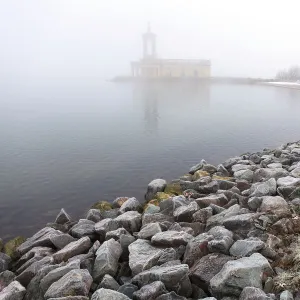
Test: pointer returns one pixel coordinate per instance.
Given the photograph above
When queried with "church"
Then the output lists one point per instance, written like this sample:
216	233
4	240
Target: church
150	66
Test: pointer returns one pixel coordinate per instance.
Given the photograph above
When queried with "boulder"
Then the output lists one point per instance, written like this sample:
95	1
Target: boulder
131	204
46	237
209	168
62	217
286	295
128	289
104	226
244	175
217	199
84	228
170	296
156	185
240	223
150	291
239	167
108	282
4	262
107	257
171	238
6	278
75	248
275	205
116	234
246	247
252	293
74	283
203	214
288	181
263	188
207	267
143	256
118	202
185	213
130	220
197	167
157	217
175	278
264	174
103	294
149	230
71	298
238	274
14	291
296	172
151	209
222	240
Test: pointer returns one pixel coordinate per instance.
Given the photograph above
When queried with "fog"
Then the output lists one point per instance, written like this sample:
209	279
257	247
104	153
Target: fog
92	40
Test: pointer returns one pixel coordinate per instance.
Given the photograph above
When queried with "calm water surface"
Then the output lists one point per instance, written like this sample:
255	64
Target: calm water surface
69	146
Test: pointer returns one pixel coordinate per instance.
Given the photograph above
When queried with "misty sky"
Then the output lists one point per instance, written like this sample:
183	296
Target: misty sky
42	39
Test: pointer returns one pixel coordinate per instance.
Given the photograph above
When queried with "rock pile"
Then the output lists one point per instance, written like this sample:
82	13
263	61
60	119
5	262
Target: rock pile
220	232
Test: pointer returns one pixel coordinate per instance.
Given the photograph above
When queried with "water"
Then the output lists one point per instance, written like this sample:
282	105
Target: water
72	145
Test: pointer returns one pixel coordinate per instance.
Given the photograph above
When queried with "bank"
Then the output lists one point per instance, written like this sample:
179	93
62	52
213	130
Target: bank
218	232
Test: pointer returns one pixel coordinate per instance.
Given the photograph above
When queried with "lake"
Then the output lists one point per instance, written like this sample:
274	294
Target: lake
70	145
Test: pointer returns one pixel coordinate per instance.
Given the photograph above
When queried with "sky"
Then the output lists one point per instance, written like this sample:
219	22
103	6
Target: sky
93	39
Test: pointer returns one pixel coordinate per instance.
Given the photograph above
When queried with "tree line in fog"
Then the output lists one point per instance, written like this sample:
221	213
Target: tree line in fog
291	74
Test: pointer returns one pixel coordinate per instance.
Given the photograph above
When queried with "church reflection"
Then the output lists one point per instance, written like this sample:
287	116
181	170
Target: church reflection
156	98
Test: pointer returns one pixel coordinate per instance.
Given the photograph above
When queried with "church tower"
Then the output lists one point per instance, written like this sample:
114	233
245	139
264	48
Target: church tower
149	44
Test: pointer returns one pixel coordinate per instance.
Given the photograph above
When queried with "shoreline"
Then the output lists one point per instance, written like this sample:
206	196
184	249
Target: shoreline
188	240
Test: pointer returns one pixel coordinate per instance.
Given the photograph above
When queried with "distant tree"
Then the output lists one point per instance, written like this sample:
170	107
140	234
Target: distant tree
292	74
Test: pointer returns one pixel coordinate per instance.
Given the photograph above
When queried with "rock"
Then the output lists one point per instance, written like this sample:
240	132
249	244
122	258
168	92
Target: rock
238	274
244	175
295	194
173	188
206	268
102	206
203	214
264	174
175	278
75	248
11	246
71	298
111	213
156	185
252	293
222	240
275	166
296	172
209	168
74	283
170	296
224	183
6	278
62	217
269	285
222	170
116	234
209	188
217	199
151	209
56	274
118	202
143	256
128	289
275	205
240	223
107	257
14	291
84	228
296	202
103	294
198	166
239	167
185	213
286	295
246	247
104	226
254	203
169	254
108	282
130	204
150	291
131	221
158	217
4	262
125	241
171	238
263	188
243	185
46	237
288	181
149	230
284	226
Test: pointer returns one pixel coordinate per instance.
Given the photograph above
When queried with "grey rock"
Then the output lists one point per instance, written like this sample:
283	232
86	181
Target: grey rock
83	228
275	205
149	230
103	294
71	298
128	289
185	213
6	278
207	267
158	217
104	226
231	161
243	185
156	185
238	274
275	166
58	273
263	188
253	293
222	170
116	234
244	175
143	256
296	201
216	209
286	191
151	209
94	215
239	167
175	278
296	172
117	203
243	222
62	217
254	203
107	257
286	295
264	174
14	291
209	168
217	199
269	285
209	188
170	296
203	214
76	282
125	241
130	220
150	291
169	254
225	184
288	181
171	238
131	204
197	293
246	247
197	227
222	240
111	213
295	194
46	237
197	167
4	262
108	282
256	158
75	248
